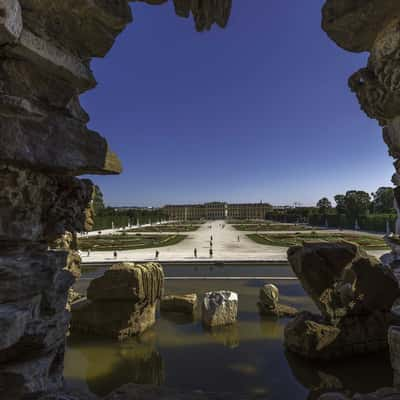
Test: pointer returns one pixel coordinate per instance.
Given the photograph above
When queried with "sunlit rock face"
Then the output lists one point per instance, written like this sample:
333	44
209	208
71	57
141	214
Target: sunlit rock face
46	49
122	303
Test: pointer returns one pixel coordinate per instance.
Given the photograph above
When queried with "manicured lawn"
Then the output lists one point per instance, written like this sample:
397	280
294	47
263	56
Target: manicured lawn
128	242
167	228
272	227
292	239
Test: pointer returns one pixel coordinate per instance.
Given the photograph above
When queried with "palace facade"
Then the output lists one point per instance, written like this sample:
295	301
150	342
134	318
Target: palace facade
217	210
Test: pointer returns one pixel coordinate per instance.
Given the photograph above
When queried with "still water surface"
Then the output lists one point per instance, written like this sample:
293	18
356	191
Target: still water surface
247	358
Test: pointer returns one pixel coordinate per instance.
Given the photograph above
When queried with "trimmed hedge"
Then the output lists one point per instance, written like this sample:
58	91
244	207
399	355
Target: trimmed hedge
372	222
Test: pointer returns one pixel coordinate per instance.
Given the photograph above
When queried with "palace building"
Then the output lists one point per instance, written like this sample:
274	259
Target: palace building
217	210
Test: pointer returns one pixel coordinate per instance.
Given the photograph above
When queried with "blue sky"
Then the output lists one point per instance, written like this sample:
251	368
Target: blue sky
259	111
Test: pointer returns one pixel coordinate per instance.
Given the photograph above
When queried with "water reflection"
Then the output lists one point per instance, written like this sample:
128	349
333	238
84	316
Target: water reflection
226	335
359	375
245	358
110	365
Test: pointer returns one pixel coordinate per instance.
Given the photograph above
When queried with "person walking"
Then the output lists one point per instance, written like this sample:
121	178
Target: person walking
211	238
211	243
195	253
157	254
211	253
115	254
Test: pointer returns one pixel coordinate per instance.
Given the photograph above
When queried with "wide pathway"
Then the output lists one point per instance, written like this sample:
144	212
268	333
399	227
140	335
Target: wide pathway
228	244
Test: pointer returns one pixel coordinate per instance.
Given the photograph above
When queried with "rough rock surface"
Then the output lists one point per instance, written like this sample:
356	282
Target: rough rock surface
219	308
354	293
129	281
311	336
186	303
342	279
121	303
269	303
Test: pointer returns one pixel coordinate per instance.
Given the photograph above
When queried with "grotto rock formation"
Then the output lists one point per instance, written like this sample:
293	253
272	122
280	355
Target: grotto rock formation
205	13
354	293
46	50
121	303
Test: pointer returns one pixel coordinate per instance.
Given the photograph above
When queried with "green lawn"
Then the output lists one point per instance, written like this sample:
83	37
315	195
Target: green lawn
128	242
272	227
168	228
292	239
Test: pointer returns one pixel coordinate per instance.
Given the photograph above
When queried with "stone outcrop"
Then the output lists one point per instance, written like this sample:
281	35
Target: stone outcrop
219	308
185	304
121	303
269	305
354	293
205	13
46	50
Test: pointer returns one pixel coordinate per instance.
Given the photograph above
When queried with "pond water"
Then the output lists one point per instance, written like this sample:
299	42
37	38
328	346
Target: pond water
247	358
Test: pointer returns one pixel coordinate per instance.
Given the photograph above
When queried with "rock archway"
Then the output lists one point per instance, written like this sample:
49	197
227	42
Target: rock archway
46	49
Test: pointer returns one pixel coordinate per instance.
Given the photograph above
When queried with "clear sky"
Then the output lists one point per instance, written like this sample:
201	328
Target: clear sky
259	111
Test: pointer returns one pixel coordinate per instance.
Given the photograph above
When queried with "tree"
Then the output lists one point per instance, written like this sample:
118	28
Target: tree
340	204
324	205
383	200
98	200
356	203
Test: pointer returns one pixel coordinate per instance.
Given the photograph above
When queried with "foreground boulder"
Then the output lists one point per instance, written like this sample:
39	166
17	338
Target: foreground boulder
342	279
354	293
121	303
185	304
219	308
310	335
269	305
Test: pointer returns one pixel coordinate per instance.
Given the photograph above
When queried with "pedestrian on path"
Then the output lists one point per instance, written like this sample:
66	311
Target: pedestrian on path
211	237
115	254
195	253
211	253
88	253
211	243
157	254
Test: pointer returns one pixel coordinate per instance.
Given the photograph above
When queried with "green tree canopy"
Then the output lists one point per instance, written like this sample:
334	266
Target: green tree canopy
324	205
356	203
340	204
383	200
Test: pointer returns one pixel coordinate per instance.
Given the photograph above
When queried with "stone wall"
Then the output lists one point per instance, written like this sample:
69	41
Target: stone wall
46	49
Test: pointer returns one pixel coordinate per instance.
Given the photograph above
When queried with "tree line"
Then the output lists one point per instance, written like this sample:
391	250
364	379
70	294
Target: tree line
106	217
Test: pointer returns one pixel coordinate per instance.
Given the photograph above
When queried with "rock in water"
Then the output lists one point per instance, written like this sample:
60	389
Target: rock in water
185	304
342	279
354	293
269	303
269	296
219	308
122	303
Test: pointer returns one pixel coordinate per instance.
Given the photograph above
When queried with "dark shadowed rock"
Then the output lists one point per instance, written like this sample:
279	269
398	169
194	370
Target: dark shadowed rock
342	279
355	24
